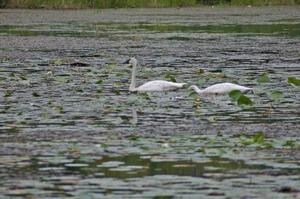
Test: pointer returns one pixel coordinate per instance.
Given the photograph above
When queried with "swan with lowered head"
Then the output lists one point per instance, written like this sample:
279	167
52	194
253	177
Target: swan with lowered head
222	88
151	86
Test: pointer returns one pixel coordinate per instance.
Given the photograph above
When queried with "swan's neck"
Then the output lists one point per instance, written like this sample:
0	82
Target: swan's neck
198	90
132	86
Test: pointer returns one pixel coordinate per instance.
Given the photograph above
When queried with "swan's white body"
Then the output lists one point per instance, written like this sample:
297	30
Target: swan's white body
222	88
151	86
158	85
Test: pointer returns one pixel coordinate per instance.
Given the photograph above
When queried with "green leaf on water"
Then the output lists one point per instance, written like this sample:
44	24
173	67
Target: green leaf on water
211	119
247	141
235	94
259	138
23	77
61	79
103	145
264	78
289	143
170	77
100	81
294	81
276	95
201	150
200	82
134	138
221	152
116	91
244	100
144	96
240	98
58	62
8	93
59	109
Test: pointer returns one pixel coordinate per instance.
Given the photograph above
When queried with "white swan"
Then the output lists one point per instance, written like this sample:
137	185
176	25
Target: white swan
156	85
222	88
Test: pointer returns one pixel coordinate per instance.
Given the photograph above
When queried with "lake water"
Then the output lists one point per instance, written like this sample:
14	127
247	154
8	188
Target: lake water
70	128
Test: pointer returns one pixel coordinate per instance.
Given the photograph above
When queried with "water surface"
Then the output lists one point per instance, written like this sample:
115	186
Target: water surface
70	128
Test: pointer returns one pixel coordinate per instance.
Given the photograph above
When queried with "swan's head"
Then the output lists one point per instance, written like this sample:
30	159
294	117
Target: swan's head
132	61
193	87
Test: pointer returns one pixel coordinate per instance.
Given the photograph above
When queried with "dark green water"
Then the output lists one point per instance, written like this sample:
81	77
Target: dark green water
99	30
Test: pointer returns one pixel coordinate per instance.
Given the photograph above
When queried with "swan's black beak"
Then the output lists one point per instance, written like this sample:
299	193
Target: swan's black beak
127	61
128	64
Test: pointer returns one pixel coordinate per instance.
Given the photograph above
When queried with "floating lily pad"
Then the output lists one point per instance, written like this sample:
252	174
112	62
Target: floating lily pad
294	81
276	95
264	78
244	100
240	98
235	94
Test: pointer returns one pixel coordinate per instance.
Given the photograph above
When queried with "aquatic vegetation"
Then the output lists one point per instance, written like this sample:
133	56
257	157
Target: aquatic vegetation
294	81
99	3
170	77
276	95
135	3
240	98
8	93
264	78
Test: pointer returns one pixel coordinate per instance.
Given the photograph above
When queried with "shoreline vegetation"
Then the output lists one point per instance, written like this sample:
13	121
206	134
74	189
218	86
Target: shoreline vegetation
81	4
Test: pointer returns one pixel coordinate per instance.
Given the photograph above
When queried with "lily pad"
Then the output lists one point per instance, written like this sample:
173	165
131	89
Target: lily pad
170	77
244	100
294	81
264	78
235	94
240	98
276	95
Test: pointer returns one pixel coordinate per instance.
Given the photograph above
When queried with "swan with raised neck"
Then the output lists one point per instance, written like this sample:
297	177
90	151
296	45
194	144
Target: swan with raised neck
151	86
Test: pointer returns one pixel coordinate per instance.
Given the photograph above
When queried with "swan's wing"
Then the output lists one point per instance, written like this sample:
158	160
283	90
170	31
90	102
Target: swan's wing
218	88
239	87
224	88
159	85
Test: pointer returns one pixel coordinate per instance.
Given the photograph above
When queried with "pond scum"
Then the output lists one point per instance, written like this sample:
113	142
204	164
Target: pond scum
134	3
